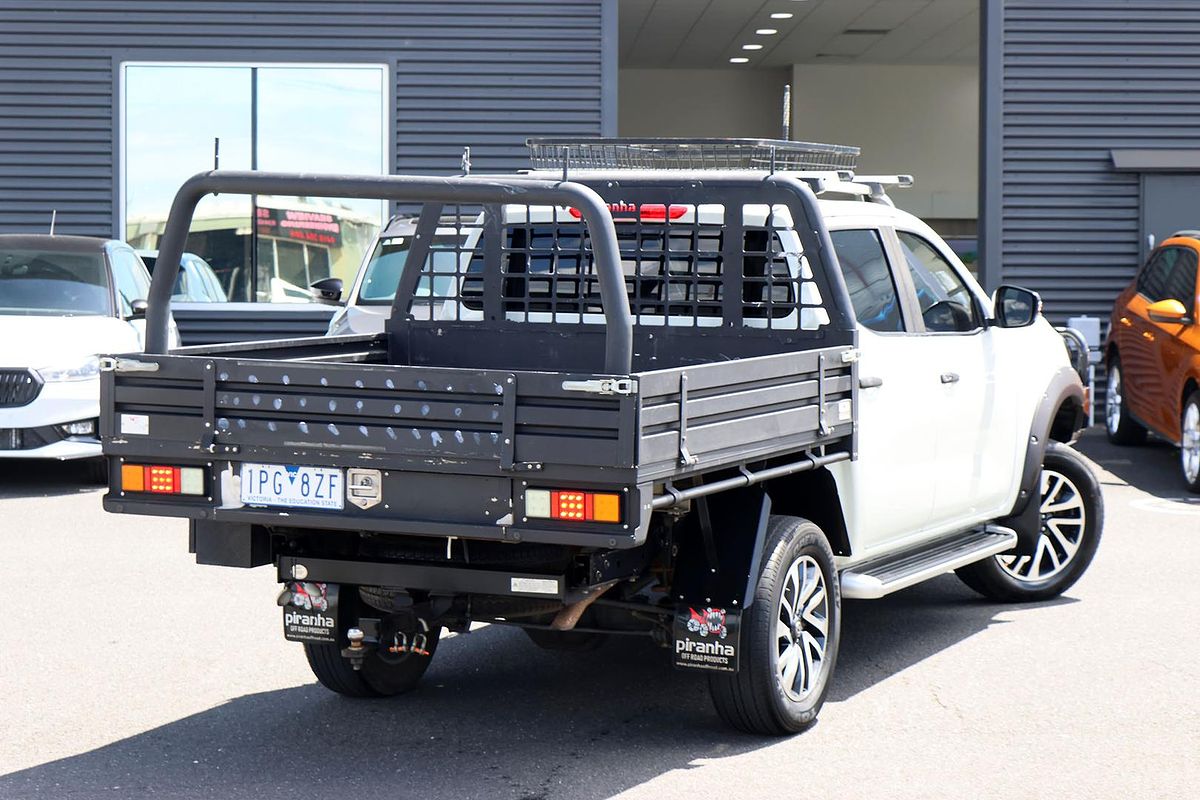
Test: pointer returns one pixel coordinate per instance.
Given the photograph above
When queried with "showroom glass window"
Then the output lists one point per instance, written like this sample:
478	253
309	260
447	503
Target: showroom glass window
180	119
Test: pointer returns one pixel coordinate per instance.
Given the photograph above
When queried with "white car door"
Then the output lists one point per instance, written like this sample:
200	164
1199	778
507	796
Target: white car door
887	492
975	431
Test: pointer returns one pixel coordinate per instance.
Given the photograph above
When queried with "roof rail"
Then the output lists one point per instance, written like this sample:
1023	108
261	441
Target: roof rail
1189	232
871	187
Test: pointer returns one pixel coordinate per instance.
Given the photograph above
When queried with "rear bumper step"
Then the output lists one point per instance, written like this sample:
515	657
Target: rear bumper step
874	579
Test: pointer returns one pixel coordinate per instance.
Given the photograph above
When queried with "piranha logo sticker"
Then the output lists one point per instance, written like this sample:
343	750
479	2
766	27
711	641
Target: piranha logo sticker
707	638
709	622
311	612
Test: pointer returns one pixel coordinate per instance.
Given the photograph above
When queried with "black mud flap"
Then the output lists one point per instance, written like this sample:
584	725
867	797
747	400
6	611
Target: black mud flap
715	577
310	612
1028	525
707	638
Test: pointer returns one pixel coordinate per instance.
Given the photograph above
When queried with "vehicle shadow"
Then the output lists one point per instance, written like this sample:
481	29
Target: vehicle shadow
1152	467
495	718
21	478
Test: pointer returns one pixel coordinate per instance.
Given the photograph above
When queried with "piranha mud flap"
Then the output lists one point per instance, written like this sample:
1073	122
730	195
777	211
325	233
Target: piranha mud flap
310	612
716	575
707	638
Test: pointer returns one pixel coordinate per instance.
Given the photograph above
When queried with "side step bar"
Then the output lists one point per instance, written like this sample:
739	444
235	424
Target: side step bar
882	576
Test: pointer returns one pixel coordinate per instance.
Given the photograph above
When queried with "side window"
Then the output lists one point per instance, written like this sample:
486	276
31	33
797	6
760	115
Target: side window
868	279
1171	273
130	277
1154	276
945	301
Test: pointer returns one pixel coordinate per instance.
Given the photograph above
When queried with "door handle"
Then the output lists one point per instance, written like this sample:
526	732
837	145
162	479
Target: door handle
870	383
949	377
1125	321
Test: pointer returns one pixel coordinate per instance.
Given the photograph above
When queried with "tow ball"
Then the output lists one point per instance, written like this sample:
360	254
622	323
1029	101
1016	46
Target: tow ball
355	652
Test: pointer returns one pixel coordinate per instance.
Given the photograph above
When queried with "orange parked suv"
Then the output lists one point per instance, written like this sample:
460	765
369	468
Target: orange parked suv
1153	354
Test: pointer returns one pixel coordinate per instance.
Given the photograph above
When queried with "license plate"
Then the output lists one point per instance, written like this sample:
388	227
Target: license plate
293	487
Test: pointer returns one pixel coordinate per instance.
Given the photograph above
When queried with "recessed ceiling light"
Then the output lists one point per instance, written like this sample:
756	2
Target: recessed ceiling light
782	15
752	47
739	60
766	31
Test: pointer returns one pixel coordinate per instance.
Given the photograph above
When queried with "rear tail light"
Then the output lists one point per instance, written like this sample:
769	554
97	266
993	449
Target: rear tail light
573	506
162	479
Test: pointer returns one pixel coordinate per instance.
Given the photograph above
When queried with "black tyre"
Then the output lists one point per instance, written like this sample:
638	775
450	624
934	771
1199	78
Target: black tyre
380	676
789	635
565	641
1120	426
1189	442
1072	514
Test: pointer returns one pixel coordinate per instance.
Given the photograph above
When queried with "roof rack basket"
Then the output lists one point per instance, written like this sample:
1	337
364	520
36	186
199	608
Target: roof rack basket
624	153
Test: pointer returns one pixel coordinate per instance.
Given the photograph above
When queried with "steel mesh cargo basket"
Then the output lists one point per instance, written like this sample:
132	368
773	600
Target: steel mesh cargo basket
764	154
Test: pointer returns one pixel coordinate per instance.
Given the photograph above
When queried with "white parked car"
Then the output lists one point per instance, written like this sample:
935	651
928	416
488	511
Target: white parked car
369	302
197	283
63	300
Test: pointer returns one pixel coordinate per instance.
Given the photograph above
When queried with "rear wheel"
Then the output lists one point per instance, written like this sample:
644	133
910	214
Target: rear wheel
381	675
1189	442
789	635
1072	517
1120	426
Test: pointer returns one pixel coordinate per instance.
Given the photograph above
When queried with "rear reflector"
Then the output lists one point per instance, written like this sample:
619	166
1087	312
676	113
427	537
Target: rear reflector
574	506
162	479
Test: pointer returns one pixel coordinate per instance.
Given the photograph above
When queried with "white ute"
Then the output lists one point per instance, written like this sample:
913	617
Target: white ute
805	396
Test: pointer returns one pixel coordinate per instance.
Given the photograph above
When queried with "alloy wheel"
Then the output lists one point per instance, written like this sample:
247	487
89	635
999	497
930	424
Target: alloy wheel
802	628
1189	446
1064	520
1113	400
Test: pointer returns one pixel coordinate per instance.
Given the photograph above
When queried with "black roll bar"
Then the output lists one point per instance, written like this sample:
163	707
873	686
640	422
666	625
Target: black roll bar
618	349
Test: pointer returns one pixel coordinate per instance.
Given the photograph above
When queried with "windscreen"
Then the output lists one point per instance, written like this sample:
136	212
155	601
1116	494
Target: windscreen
382	276
39	282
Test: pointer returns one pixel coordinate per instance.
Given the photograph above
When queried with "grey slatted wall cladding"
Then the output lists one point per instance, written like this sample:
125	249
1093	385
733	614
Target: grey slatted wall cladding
1071	80
483	74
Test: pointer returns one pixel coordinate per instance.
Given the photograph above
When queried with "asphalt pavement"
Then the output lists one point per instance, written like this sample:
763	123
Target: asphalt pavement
126	671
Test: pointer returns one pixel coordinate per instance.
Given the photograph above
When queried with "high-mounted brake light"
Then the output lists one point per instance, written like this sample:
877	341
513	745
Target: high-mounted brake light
574	506
649	212
162	479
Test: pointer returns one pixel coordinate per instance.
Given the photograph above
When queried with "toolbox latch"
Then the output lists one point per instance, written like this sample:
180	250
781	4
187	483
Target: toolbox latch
622	386
110	364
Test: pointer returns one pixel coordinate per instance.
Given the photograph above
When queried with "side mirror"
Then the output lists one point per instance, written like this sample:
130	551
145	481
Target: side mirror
327	291
1014	307
138	309
1169	311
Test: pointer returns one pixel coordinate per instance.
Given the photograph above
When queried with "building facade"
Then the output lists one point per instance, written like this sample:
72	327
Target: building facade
1088	134
106	107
